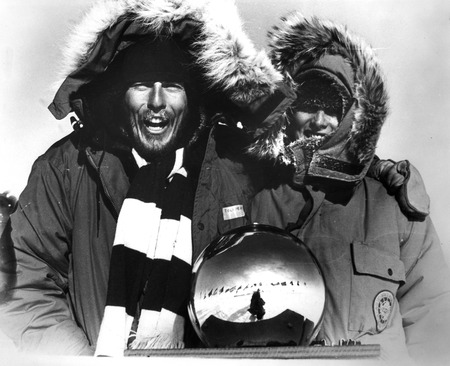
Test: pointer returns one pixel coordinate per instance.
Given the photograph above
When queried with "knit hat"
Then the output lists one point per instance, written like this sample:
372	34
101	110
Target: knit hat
161	59
317	90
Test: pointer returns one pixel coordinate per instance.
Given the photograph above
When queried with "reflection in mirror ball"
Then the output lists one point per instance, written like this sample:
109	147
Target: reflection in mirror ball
256	286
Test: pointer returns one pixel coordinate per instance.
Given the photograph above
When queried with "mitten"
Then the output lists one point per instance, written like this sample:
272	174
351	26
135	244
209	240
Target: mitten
404	181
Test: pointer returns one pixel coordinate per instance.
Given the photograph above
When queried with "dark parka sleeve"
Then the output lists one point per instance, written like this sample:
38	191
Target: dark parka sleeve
36	313
425	297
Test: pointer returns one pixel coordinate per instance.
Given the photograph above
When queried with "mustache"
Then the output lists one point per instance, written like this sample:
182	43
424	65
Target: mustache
149	114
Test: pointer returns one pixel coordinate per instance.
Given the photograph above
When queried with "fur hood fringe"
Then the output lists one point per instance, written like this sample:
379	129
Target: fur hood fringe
223	51
298	41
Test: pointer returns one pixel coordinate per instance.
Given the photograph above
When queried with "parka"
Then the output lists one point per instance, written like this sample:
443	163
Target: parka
386	279
385	275
63	232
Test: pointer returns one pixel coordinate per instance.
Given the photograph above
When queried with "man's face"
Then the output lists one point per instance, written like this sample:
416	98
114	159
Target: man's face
156	114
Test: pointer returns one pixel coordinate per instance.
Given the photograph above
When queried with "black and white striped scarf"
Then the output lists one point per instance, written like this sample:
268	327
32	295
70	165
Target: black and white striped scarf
150	262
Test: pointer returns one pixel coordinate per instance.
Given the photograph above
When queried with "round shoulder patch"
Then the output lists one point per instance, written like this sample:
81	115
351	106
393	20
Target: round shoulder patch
382	308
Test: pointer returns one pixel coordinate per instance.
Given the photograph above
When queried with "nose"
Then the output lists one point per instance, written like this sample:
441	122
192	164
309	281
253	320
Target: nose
318	122
156	100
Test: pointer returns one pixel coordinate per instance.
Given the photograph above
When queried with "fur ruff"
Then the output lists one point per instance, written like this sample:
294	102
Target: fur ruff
298	40
225	53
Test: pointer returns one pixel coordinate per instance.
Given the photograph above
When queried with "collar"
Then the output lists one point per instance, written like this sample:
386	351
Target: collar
177	167
140	161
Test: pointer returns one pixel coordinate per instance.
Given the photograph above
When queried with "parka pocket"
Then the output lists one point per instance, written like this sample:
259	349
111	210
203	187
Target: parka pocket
377	274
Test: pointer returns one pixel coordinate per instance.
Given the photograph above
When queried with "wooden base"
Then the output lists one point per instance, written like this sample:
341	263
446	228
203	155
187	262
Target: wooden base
313	352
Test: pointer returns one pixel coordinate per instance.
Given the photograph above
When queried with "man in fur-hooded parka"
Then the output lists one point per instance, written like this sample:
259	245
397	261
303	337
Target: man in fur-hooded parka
386	278
64	226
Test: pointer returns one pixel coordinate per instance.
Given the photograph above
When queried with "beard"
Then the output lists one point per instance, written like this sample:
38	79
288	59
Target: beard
155	147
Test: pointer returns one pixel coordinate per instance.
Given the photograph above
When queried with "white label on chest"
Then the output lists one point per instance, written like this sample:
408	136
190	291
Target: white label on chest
233	212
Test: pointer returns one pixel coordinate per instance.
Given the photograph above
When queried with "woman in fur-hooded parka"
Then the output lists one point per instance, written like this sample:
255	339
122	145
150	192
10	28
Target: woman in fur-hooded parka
65	222
386	278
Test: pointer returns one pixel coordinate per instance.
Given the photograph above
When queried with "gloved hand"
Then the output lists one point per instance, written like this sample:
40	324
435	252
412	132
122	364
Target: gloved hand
405	182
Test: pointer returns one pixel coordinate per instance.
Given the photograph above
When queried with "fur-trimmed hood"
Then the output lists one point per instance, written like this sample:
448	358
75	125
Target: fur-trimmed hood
299	44
220	48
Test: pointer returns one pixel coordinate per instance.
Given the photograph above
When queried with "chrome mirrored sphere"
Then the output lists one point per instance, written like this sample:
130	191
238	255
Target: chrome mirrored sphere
256	286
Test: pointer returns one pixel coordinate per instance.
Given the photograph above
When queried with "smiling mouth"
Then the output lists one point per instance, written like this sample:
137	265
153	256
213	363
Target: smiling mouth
156	124
310	133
